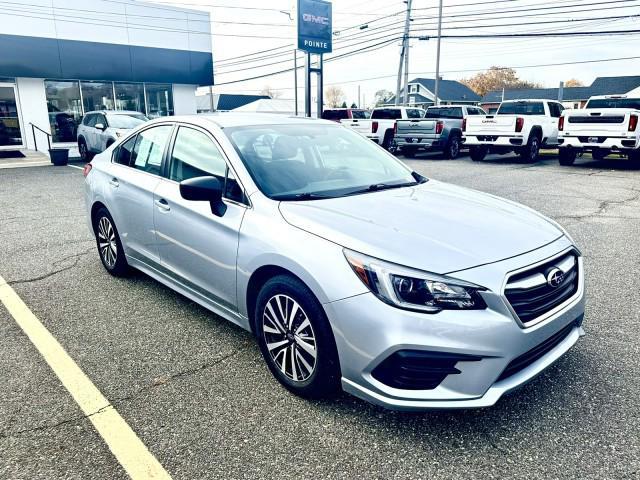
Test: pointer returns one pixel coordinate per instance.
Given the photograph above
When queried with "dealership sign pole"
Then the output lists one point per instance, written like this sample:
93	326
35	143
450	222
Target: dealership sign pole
314	19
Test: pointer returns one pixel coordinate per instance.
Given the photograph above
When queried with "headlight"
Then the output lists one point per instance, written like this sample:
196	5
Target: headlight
414	289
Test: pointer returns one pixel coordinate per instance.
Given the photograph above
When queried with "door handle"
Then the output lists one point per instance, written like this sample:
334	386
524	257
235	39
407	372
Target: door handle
162	204
114	182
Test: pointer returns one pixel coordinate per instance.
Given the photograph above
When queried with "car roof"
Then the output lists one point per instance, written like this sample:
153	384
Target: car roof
233	119
115	112
525	100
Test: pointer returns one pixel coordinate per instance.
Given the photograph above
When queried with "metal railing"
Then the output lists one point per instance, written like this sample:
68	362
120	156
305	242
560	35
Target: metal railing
35	140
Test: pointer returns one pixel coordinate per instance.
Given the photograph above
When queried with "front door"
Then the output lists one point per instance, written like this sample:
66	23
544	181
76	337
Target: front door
11	131
196	245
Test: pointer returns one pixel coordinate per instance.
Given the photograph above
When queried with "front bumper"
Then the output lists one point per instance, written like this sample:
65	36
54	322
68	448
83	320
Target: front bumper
368	331
599	142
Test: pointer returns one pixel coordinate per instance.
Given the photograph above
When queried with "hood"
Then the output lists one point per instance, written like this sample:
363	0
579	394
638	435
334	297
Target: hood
434	226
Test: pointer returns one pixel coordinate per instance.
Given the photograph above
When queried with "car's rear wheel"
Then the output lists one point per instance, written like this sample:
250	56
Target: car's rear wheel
477	153
387	142
530	152
452	150
599	154
296	339
109	244
566	156
83	150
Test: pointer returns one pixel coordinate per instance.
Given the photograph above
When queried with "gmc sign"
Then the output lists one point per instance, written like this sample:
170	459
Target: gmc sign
314	26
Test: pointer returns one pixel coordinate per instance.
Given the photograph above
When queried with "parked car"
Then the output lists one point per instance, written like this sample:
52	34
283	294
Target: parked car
382	125
522	126
607	124
349	268
439	130
337	114
100	129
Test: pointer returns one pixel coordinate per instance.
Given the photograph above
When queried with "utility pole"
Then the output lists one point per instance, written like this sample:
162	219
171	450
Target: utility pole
359	103
406	72
405	45
437	100
295	79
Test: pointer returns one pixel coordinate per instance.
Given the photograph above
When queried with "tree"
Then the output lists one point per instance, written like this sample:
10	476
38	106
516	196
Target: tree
333	96
573	82
382	96
270	92
344	105
353	105
496	78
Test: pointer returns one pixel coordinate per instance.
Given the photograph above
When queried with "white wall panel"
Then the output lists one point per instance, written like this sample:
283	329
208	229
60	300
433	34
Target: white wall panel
33	105
184	99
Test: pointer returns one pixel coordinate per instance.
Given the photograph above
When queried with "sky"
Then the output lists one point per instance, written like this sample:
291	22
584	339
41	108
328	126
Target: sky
266	24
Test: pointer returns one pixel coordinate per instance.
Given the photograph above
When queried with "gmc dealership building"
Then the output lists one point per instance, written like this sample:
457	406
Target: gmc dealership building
62	58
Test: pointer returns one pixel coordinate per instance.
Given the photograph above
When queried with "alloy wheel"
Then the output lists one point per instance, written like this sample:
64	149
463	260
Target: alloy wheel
454	148
533	152
289	337
107	242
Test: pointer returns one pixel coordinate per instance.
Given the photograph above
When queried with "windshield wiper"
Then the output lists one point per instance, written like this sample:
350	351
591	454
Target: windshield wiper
376	187
301	196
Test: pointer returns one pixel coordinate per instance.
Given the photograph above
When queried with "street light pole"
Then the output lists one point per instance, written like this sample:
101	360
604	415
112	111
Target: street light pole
436	93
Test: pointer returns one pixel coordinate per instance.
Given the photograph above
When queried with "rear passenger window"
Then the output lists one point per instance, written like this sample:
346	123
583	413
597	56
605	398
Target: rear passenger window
125	152
195	155
414	113
149	149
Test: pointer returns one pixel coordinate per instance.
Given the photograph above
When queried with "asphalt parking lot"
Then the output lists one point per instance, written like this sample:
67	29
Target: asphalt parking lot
195	390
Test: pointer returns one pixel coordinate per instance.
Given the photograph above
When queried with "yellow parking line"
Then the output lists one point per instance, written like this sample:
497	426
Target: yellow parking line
125	445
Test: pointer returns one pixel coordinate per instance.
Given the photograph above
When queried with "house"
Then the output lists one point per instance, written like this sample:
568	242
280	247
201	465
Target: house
224	102
421	93
571	97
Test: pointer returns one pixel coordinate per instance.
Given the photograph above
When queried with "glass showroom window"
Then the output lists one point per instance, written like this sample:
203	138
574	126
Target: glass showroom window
65	109
130	96
97	96
159	100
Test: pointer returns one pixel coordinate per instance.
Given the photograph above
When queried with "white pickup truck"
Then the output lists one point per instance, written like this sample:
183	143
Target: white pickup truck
522	126
607	124
381	126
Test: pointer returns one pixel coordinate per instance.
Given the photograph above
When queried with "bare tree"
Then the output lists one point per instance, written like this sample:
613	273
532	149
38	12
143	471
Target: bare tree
333	96
270	92
382	96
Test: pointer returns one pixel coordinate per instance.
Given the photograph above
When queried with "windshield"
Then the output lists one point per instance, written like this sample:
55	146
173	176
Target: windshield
126	120
614	103
521	108
444	112
294	162
360	114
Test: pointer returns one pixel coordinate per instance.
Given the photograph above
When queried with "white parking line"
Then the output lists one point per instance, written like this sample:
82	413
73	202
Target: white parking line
75	166
125	445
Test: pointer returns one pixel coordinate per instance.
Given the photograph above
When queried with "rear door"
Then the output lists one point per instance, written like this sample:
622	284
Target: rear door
196	245
135	176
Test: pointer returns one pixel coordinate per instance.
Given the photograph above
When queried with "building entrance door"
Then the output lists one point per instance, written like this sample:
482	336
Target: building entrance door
11	131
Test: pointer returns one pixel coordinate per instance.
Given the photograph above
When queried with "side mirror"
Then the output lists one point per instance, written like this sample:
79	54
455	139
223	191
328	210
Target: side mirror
100	126
204	189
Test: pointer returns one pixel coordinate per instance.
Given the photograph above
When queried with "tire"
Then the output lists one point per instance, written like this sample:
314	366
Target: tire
452	150
84	150
409	152
566	156
387	140
530	152
478	153
109	245
307	377
634	156
599	154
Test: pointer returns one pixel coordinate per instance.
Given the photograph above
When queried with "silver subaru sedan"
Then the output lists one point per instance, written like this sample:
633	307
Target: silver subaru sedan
351	270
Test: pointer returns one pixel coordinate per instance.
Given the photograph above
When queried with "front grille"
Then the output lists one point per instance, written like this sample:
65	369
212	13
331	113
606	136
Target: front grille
536	353
531	294
597	119
417	369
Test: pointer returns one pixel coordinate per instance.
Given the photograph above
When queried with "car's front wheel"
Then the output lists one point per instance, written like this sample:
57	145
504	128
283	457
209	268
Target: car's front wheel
109	244
296	339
